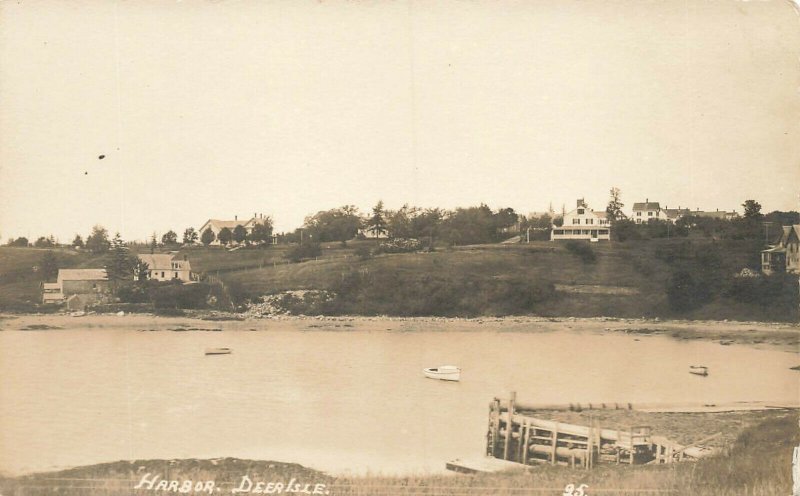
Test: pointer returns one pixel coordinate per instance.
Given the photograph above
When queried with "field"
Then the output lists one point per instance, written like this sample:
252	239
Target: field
758	463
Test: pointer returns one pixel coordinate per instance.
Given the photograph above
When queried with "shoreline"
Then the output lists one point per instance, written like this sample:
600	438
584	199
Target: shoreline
784	336
755	447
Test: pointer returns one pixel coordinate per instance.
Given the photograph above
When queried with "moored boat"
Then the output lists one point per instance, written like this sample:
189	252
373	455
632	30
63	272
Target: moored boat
444	373
218	351
698	370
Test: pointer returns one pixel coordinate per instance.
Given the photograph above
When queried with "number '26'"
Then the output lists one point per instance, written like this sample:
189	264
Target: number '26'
571	490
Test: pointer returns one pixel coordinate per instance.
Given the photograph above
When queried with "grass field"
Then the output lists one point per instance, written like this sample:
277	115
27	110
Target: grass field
758	463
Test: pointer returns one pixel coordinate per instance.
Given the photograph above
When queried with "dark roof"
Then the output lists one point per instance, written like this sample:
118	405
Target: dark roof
646	206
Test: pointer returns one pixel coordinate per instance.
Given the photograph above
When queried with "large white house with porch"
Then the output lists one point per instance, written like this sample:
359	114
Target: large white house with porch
583	223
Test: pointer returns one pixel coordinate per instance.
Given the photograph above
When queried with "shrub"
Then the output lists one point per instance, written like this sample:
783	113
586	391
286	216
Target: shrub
363	252
582	250
686	293
302	252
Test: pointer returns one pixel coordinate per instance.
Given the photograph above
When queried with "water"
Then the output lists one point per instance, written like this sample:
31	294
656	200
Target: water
338	401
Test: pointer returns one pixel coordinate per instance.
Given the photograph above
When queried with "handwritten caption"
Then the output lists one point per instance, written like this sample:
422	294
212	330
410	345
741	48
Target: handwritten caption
246	485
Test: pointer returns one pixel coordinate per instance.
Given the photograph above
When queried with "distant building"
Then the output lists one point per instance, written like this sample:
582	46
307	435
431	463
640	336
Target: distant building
217	225
583	223
77	288
647	211
718	214
674	214
166	267
785	255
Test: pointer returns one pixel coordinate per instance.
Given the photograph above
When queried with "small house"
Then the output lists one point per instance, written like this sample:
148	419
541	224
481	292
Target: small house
647	211
77	288
785	255
165	267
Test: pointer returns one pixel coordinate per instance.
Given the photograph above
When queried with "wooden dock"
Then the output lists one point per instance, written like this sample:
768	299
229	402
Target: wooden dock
528	440
484	464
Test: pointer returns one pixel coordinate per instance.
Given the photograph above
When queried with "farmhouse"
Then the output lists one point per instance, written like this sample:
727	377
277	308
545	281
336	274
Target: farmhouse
647	211
166	267
217	225
77	288
784	256
583	223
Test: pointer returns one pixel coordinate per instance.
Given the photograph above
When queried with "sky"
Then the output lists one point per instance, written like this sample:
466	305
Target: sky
211	109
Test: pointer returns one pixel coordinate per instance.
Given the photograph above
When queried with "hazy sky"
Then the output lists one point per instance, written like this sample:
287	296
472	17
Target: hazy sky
215	109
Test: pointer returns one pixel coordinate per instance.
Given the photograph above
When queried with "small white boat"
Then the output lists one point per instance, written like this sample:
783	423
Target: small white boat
444	373
698	370
218	351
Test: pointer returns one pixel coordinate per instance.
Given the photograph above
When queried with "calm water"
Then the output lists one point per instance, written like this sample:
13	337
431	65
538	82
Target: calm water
337	401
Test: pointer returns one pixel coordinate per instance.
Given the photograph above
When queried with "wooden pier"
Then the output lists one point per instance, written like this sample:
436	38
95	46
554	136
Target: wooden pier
529	440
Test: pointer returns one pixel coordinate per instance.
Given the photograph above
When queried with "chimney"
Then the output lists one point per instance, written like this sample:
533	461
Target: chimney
647	200
581	203
235	217
255	216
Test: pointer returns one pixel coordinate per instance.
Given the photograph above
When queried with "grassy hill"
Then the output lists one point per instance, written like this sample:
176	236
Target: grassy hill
670	278
623	280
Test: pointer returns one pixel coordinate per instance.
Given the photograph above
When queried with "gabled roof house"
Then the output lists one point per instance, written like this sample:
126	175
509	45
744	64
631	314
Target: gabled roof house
785	255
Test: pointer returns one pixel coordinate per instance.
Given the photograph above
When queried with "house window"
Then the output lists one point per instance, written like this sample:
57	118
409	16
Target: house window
590	221
638	214
162	274
576	221
649	214
580	211
176	275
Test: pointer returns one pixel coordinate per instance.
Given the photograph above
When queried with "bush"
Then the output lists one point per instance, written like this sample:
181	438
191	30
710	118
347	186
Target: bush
306	251
582	250
363	252
686	293
175	295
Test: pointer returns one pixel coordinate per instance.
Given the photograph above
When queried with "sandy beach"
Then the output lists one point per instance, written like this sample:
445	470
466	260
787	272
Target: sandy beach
784	336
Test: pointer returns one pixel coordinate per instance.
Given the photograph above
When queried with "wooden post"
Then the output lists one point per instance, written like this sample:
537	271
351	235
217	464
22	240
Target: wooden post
630	458
554	443
496	427
589	446
509	424
525	443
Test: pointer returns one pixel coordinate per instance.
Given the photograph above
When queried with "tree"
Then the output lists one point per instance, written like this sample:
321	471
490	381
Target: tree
338	224
49	265
121	262
207	237
20	242
97	242
140	269
169	238
43	242
225	236
262	231
377	224
77	242
189	236
239	234
752	210
614	207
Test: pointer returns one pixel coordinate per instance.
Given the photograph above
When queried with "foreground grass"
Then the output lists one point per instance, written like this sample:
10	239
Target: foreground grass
758	463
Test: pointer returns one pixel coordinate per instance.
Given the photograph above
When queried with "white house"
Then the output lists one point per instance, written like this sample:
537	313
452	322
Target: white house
583	223
217	225
647	211
166	267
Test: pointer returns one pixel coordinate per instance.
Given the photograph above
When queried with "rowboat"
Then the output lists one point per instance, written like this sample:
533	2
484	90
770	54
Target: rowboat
698	370
218	351
443	373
